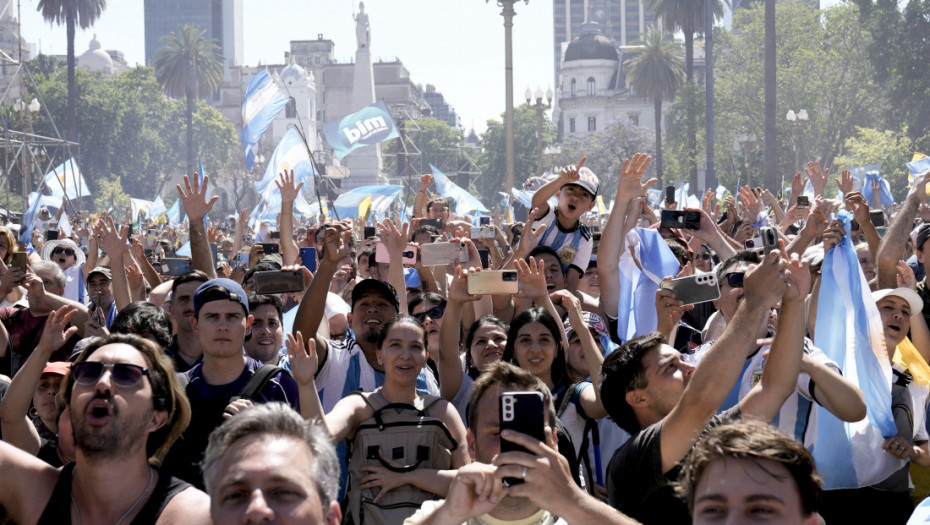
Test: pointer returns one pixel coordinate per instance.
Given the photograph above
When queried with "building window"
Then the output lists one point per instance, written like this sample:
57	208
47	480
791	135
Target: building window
291	110
573	87
591	87
634	119
571	125
592	123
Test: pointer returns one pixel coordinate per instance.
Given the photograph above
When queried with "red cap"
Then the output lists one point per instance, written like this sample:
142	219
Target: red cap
57	367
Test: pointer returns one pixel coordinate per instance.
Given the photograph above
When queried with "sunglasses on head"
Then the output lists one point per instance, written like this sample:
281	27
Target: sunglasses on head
435	312
735	279
122	374
67	251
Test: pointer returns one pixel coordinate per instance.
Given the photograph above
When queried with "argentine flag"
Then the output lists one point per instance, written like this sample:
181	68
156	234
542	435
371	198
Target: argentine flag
884	193
850	332
263	101
291	154
382	197
640	275
464	201
66	180
36	201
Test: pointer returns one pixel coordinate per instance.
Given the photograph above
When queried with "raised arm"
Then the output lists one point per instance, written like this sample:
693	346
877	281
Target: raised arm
718	371
289	192
396	240
590	397
419	204
197	207
240	230
896	237
450	367
137	248
115	243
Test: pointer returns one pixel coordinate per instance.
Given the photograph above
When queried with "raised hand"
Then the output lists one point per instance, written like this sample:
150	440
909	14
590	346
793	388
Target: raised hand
194	198
458	289
570	173
532	278
797	185
751	203
833	235
111	239
817	176
765	284
630	182
797	276
425	182
336	240
530	237
846	182
394	239
213	234
906	277
859	207
289	190
57	330
303	359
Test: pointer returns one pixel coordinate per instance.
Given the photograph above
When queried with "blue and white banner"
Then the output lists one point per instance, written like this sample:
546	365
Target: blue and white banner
158	207
640	275
290	154
66	180
263	101
382	197
885	190
371	125
141	206
36	202
850	332
464	202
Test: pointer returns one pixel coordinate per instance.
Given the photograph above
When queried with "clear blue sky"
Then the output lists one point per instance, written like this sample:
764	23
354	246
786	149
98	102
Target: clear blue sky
456	45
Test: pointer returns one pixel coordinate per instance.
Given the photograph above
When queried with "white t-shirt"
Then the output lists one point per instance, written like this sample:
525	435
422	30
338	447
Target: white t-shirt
542	517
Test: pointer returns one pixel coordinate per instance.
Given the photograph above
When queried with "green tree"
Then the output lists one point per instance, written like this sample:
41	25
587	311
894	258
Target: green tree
688	17
429	141
189	66
891	149
606	149
70	13
492	158
656	73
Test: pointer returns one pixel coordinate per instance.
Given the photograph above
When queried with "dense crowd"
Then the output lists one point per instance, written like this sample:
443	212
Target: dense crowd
645	363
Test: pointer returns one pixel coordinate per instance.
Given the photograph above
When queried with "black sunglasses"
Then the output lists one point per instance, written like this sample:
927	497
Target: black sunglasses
122	374
435	312
735	279
67	251
703	256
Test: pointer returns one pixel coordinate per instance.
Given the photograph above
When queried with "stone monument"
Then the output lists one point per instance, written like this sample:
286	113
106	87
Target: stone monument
364	164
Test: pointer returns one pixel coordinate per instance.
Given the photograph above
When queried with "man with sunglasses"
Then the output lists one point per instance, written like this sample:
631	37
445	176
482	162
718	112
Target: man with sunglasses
126	409
221	321
820	380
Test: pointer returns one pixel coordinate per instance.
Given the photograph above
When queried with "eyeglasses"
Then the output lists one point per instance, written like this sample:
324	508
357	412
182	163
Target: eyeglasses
703	256
122	374
67	251
735	279
435	312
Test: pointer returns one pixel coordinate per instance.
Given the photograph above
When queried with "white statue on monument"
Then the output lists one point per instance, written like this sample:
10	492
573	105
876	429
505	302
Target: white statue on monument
362	32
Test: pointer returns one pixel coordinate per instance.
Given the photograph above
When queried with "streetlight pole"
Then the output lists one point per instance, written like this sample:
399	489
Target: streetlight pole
798	121
539	107
508	14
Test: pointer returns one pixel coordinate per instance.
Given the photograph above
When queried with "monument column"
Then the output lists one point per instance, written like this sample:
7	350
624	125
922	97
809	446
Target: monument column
364	164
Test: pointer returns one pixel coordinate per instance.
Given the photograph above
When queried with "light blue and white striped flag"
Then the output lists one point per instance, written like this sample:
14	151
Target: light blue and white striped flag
464	201
66	180
636	311
382	197
263	101
850	332
885	190
290	154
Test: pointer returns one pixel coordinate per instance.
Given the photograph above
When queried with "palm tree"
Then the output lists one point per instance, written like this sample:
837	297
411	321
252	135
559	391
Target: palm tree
189	66
656	72
688	16
70	13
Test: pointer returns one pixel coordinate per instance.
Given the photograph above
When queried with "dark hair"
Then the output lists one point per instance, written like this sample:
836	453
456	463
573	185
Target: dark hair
189	277
678	251
425	297
753	440
320	240
142	316
256	300
622	372
260	267
470	338
746	256
167	393
370	253
409	319
438	200
542	249
424	229
508	377
558	373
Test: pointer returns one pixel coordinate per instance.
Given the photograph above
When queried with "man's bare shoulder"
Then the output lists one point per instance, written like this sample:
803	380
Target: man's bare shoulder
189	507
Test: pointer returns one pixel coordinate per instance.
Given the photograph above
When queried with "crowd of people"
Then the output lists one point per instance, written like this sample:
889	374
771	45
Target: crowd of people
645	364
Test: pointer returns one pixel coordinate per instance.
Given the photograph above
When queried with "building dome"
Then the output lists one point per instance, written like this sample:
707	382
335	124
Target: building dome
96	59
590	44
294	74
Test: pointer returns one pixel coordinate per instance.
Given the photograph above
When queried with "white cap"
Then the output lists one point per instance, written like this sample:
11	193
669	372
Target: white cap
913	300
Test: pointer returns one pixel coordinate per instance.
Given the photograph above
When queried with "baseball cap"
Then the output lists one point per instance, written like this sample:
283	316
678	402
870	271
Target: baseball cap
220	290
592	320
57	367
101	270
375	285
923	233
587	180
913	300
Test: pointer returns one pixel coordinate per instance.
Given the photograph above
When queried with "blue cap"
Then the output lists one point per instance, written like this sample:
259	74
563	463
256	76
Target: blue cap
220	290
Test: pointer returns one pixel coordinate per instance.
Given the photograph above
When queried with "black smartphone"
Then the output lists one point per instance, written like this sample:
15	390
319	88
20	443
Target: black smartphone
669	194
485	255
176	266
269	247
686	219
521	412
435	223
370	231
877	218
803	200
51	235
275	235
284	281
484	221
20	260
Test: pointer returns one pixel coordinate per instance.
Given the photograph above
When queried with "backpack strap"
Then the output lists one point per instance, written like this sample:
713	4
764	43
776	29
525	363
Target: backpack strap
258	381
574	390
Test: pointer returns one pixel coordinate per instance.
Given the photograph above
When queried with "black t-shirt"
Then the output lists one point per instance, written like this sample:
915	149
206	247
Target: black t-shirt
636	484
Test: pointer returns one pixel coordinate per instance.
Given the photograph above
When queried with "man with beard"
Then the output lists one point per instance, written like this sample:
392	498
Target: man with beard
127	408
185	349
350	364
548	494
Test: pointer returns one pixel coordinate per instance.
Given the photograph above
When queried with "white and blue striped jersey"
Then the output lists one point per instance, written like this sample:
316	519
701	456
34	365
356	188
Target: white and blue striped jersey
573	246
346	370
